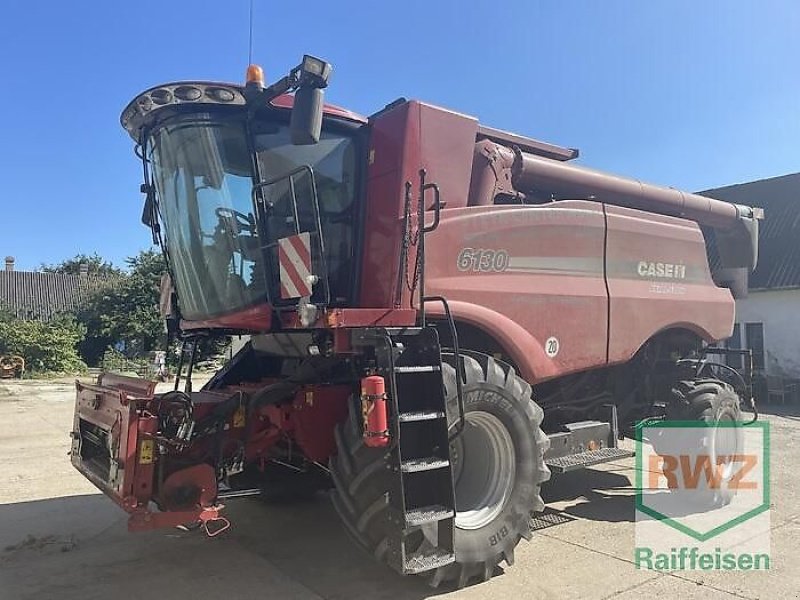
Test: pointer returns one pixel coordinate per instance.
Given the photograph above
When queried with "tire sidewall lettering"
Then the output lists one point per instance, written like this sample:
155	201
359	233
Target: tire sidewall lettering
494	400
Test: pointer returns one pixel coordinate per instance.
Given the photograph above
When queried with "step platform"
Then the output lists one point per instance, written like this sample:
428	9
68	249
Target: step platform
585	444
582	460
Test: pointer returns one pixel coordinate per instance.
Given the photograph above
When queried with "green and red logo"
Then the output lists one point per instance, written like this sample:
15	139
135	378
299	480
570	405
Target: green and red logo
701	488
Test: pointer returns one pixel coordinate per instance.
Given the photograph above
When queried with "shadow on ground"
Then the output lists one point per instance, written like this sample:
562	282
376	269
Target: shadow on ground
596	495
787	411
78	547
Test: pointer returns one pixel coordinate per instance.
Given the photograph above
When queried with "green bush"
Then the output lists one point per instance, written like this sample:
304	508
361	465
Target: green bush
117	362
46	346
124	311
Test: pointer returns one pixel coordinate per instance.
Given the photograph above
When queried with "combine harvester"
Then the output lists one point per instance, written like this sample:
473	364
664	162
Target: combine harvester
440	315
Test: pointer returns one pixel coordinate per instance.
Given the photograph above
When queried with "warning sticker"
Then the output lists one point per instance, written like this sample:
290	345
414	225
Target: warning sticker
238	418
146	452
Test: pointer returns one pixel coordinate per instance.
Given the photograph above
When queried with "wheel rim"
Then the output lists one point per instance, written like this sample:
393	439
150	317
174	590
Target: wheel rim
484	465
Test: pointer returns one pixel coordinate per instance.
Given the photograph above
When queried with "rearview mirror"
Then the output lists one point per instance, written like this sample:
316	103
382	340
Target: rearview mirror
148	210
305	123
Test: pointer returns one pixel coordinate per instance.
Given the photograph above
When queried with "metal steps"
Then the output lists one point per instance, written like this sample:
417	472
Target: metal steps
422	494
417	369
421	415
428	514
429	463
419	563
573	462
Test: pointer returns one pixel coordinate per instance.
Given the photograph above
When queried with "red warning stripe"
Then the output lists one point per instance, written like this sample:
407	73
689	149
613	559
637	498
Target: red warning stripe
294	258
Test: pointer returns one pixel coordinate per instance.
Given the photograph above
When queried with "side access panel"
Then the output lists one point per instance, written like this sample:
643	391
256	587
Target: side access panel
540	267
658	278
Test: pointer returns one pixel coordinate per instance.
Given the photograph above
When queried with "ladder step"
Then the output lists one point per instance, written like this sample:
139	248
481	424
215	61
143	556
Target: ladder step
427	561
428	514
421	415
428	463
418	369
572	462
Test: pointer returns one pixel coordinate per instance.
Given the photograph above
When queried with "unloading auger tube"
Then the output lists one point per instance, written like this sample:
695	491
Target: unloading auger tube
735	225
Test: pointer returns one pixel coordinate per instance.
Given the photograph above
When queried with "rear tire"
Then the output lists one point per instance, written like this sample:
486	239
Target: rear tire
712	402
498	469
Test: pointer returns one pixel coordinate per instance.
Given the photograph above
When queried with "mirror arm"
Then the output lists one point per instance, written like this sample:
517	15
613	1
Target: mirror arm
308	79
283	85
257	96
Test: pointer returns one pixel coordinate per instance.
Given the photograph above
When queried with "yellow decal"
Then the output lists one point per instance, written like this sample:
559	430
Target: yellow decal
146	452
238	418
310	398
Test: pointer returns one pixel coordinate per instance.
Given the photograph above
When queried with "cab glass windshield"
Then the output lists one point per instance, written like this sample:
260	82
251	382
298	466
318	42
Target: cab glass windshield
202	171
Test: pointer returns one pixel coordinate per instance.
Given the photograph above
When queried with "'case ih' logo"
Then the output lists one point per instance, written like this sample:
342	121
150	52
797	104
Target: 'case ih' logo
661	270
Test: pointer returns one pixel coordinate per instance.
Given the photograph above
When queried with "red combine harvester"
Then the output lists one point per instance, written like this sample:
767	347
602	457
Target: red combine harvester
440	314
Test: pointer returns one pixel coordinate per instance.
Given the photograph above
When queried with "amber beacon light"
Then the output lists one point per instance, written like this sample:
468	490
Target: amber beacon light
255	75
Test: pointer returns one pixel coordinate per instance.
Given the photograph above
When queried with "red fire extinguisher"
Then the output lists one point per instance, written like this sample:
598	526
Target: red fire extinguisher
374	412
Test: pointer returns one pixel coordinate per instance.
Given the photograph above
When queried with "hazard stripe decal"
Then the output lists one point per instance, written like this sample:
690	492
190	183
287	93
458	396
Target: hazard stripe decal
294	260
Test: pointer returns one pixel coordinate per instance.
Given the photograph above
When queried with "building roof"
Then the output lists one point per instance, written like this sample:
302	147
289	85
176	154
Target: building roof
779	233
40	296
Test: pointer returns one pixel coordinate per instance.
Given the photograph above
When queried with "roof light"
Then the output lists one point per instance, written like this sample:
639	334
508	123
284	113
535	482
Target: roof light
188	93
161	96
313	65
220	94
317	68
255	76
151	101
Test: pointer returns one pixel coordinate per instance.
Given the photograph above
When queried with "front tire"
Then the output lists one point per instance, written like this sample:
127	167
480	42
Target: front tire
498	468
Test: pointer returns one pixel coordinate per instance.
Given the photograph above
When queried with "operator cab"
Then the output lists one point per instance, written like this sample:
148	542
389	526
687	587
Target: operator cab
233	172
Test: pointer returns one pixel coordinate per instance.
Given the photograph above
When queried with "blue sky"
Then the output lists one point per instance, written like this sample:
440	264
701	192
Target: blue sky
686	93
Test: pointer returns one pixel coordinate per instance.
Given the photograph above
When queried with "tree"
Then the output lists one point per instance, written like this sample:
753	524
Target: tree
96	266
49	346
123	311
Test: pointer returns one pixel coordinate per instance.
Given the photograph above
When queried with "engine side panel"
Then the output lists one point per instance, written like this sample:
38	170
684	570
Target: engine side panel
534	278
530	274
658	278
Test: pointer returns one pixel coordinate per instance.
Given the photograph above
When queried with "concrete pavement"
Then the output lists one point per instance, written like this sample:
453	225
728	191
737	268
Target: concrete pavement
61	539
